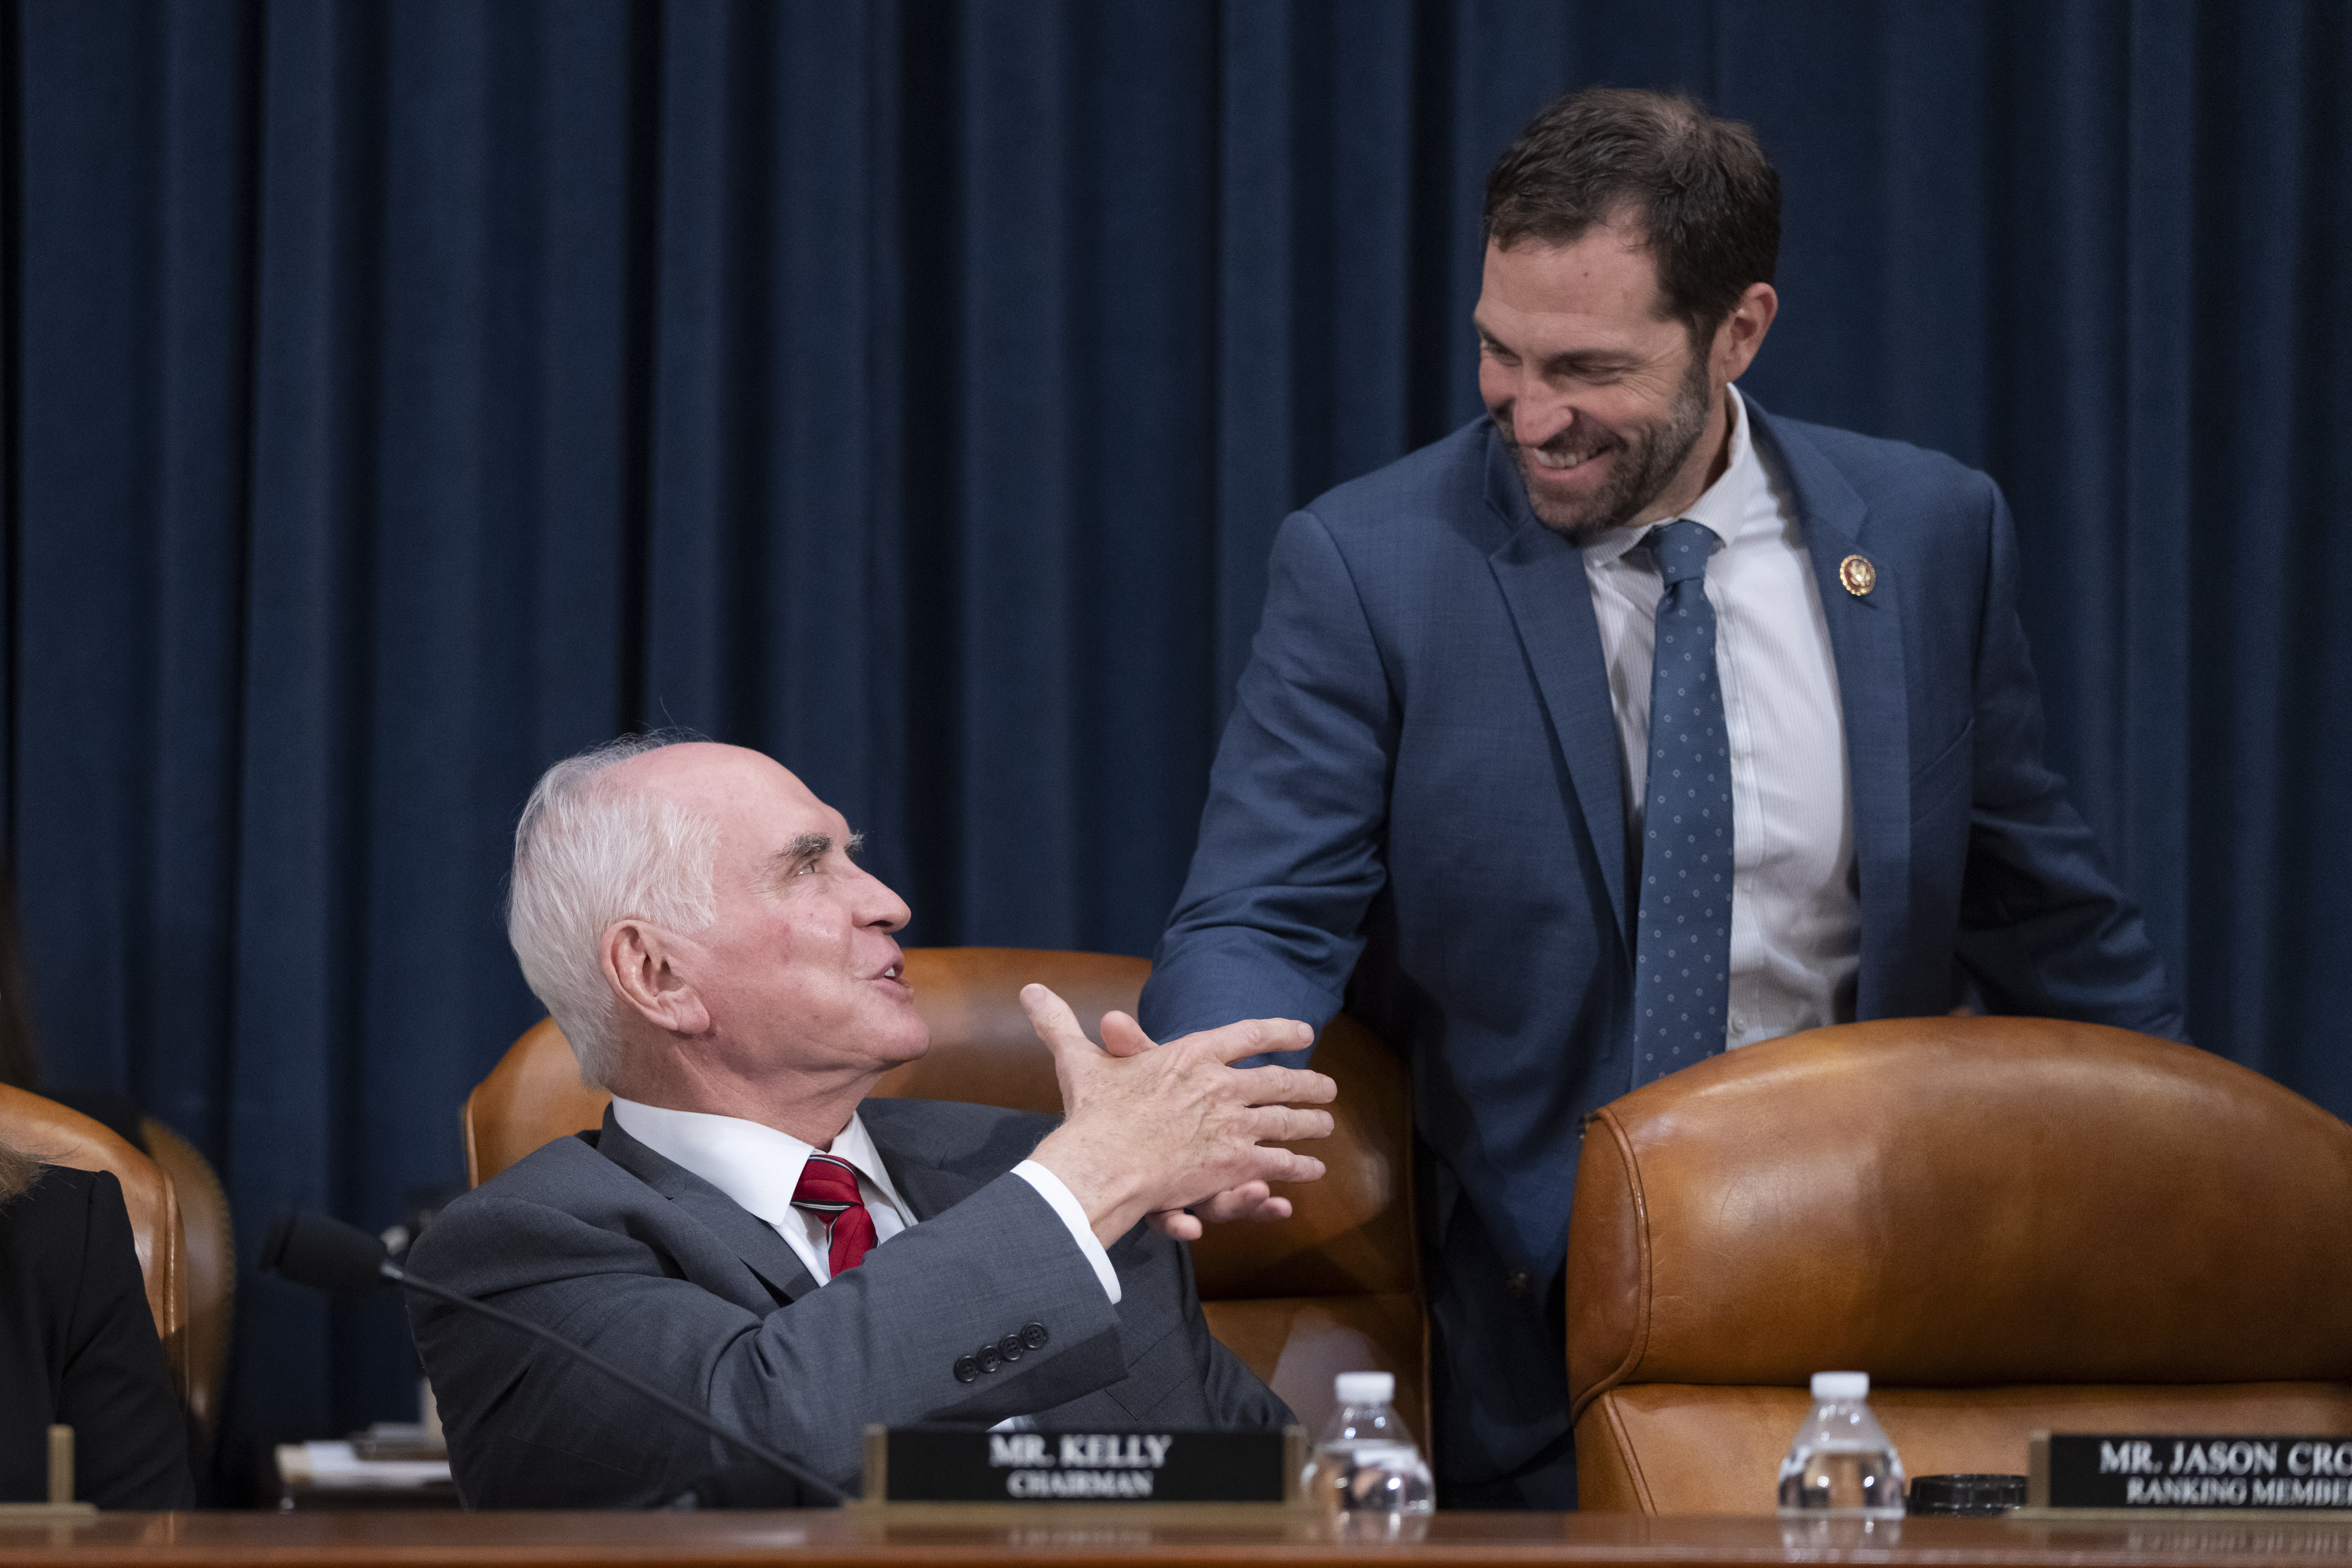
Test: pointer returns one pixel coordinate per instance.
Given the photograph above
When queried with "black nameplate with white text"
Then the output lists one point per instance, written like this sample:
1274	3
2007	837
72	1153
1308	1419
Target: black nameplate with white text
944	1464
2139	1470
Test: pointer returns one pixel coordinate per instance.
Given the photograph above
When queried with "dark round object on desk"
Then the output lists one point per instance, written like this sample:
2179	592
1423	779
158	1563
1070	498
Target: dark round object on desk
1966	1494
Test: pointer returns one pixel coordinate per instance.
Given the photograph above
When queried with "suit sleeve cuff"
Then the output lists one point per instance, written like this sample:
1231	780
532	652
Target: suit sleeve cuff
1049	1187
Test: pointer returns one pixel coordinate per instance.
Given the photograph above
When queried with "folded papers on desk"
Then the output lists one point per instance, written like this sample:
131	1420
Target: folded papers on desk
335	1475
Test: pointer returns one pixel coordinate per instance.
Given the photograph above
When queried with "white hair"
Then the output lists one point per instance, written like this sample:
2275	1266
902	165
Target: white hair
587	855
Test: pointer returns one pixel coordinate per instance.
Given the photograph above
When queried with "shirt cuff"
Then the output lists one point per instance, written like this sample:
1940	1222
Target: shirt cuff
1049	1187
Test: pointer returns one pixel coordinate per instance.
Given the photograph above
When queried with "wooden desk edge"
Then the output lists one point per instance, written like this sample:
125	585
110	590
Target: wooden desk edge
1138	1535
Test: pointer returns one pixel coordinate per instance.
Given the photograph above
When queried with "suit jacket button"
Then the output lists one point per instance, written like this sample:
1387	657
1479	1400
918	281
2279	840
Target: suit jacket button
1011	1348
988	1358
966	1370
1033	1336
1518	1282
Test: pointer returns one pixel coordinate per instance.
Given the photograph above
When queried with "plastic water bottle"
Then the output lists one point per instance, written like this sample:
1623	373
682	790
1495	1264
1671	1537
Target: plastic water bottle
1841	1465
1366	1468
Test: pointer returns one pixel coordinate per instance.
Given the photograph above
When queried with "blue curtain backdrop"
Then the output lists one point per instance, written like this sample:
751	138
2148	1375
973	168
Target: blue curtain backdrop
402	393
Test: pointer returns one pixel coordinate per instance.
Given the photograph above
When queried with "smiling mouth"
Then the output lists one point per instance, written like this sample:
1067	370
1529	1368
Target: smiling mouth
1560	462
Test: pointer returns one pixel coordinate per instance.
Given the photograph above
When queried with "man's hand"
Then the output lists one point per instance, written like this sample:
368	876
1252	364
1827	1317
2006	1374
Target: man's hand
1123	1036
1153	1129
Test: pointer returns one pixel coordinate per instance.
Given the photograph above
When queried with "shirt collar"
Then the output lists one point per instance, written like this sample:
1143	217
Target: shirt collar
754	1164
1726	507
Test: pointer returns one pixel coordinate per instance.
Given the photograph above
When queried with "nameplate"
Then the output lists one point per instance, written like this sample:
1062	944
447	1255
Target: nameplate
958	1464
2140	1471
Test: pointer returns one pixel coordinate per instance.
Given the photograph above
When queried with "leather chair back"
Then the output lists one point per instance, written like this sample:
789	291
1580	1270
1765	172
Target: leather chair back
208	1248
1335	1288
2010	1223
54	1135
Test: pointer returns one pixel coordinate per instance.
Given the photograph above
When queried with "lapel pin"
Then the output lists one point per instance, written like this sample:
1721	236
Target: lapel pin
1858	576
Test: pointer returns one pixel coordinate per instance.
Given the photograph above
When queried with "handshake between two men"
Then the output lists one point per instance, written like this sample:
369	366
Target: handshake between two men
1145	1125
757	1238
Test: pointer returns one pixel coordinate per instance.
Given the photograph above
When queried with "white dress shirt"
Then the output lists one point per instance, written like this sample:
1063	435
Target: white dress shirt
1796	930
760	1169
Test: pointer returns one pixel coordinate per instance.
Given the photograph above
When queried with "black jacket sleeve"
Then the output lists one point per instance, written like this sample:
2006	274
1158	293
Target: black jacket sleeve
78	1345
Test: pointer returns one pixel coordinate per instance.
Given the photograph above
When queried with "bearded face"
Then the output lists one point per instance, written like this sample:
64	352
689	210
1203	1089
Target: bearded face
1641	461
1604	400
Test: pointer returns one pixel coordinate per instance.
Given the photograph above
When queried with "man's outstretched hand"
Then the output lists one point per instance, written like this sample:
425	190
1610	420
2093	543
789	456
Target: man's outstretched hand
1123	1036
1251	1200
1152	1129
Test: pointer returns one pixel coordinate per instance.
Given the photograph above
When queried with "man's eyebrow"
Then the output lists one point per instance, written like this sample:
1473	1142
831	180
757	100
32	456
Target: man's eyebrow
812	846
1596	359
804	849
1573	360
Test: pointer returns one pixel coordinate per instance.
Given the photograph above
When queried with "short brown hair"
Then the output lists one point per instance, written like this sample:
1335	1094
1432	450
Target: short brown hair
1706	198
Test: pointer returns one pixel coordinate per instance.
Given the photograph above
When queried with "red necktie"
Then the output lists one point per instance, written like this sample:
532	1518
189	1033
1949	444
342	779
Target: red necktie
829	1187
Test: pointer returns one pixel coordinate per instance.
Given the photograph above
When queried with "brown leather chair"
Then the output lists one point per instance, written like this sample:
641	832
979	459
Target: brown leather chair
56	1136
2010	1223
1335	1288
208	1248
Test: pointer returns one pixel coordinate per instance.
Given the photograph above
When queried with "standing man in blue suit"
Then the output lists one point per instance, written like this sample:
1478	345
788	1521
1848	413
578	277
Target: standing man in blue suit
1628	724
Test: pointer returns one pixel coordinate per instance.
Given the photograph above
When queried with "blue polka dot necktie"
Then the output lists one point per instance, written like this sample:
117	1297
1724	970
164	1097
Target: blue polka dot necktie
1681	944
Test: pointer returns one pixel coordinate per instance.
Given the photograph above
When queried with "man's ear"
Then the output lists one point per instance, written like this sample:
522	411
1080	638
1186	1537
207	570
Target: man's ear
1742	333
642	963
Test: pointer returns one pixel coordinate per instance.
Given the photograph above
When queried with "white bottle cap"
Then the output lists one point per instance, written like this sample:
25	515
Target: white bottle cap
1365	1388
1841	1385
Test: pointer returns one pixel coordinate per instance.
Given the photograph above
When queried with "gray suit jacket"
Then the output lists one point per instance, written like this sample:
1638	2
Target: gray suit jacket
616	1249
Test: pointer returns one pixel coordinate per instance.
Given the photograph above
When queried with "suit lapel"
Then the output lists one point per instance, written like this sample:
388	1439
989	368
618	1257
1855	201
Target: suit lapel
750	1237
1543	583
928	1190
1867	639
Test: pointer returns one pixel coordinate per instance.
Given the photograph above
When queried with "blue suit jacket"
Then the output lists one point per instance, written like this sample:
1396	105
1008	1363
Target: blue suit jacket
1419	789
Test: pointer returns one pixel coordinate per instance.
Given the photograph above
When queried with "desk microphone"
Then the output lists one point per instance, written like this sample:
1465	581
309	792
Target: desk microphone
326	1254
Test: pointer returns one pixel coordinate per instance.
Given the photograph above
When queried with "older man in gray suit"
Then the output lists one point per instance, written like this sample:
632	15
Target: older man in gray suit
749	1235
